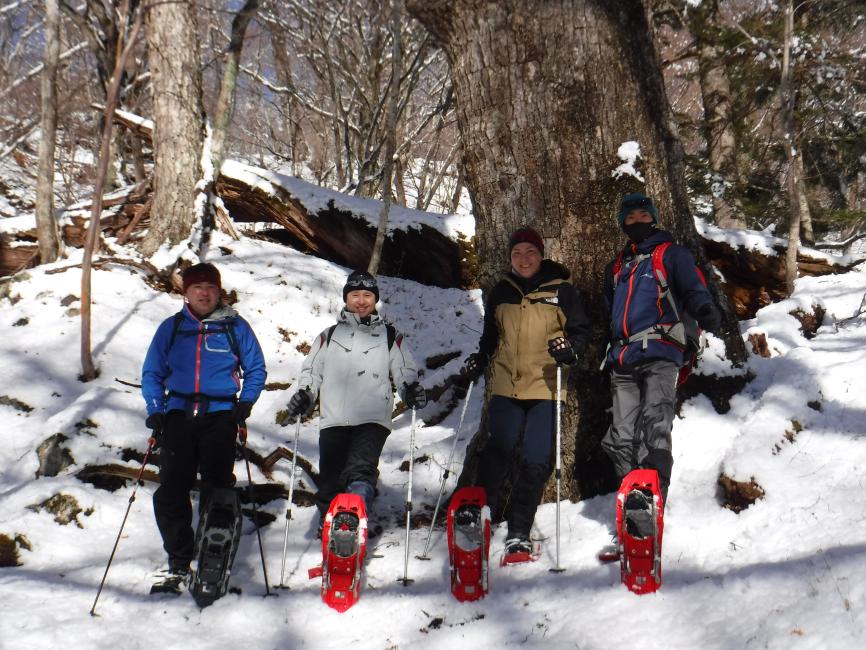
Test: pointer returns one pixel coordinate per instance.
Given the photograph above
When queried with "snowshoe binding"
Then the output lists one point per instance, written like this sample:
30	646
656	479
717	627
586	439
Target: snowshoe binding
640	524
519	550
344	543
468	529
171	582
217	539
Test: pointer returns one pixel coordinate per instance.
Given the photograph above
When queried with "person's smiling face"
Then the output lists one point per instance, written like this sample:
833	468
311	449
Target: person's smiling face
361	302
525	260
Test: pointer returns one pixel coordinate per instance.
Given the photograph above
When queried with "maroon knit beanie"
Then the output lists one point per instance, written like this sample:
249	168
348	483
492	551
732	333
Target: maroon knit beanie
526	235
201	273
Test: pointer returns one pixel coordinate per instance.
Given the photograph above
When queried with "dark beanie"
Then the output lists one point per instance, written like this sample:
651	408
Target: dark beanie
636	201
526	235
203	272
361	281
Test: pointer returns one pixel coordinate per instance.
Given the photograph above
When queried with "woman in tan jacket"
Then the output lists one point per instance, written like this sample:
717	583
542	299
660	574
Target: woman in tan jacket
534	320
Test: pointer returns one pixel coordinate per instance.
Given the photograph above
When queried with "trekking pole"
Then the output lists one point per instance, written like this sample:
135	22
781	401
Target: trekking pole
557	568
405	579
242	429
282	584
446	473
150	443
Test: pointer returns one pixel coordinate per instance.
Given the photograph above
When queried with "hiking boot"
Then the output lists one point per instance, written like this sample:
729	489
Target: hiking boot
173	580
518	544
343	537
638	514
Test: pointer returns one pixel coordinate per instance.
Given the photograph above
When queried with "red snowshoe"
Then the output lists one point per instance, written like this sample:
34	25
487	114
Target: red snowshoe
639	525
344	542
468	543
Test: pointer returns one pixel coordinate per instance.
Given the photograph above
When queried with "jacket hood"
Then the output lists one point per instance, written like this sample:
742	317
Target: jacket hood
351	318
222	312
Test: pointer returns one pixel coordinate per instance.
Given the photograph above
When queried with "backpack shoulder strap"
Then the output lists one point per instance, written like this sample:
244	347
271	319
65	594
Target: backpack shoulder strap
330	333
233	339
391	333
176	320
659	270
617	268
661	275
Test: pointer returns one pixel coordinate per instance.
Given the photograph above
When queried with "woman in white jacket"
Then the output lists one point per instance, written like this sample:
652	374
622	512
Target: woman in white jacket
350	368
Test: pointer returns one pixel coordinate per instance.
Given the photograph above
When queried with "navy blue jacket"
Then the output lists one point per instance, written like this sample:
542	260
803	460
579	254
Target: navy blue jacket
637	304
202	359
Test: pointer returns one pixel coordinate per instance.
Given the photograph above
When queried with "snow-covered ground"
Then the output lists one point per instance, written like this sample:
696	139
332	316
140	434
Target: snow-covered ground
785	573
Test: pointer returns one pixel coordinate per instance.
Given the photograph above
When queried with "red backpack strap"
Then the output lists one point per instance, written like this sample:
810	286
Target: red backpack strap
659	270
661	273
617	267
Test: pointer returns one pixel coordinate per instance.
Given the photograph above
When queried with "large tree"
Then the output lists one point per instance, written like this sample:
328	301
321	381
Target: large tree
547	93
178	120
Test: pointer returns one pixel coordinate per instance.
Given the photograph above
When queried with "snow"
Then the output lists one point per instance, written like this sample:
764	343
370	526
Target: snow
783	573
628	153
762	241
316	199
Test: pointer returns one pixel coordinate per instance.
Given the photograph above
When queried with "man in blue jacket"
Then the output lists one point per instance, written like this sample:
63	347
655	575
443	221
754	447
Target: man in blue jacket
648	290
190	382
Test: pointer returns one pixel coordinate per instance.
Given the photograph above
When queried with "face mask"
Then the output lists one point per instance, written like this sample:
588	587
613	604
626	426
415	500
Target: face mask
637	232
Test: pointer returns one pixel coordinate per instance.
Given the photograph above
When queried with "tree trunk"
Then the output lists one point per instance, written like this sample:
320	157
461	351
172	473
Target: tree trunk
390	136
786	99
718	120
178	117
46	225
226	101
807	235
88	369
546	94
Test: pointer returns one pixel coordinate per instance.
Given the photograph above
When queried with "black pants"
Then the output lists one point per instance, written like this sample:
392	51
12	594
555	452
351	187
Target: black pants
508	418
349	455
205	444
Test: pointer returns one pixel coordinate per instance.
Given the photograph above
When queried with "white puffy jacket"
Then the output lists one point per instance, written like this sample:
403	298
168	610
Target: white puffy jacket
352	373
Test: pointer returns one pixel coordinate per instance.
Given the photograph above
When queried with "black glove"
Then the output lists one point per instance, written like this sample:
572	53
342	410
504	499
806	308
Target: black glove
561	351
156	423
241	411
414	395
474	366
300	404
709	318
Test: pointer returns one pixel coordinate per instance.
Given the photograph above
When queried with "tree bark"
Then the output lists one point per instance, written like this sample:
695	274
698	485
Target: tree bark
178	117
546	94
46	225
390	135
786	99
226	101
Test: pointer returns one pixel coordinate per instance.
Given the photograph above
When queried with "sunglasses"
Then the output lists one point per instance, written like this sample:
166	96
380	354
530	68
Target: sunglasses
636	204
367	283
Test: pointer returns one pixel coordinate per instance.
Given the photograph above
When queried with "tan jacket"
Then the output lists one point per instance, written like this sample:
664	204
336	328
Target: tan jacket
522	368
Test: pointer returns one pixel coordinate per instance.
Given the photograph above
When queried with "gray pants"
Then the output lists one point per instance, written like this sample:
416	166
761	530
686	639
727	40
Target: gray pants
644	400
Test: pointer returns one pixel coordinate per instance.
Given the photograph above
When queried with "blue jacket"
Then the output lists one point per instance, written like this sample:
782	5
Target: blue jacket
202	359
635	304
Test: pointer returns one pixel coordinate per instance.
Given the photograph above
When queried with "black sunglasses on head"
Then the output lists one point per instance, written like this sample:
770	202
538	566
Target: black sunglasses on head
367	283
636	204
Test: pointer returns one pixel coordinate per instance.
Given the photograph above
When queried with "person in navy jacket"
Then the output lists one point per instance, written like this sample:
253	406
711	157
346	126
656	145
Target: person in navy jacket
647	337
198	361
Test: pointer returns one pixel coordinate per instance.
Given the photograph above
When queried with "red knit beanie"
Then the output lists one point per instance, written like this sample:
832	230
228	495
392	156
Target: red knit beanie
201	273
526	235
